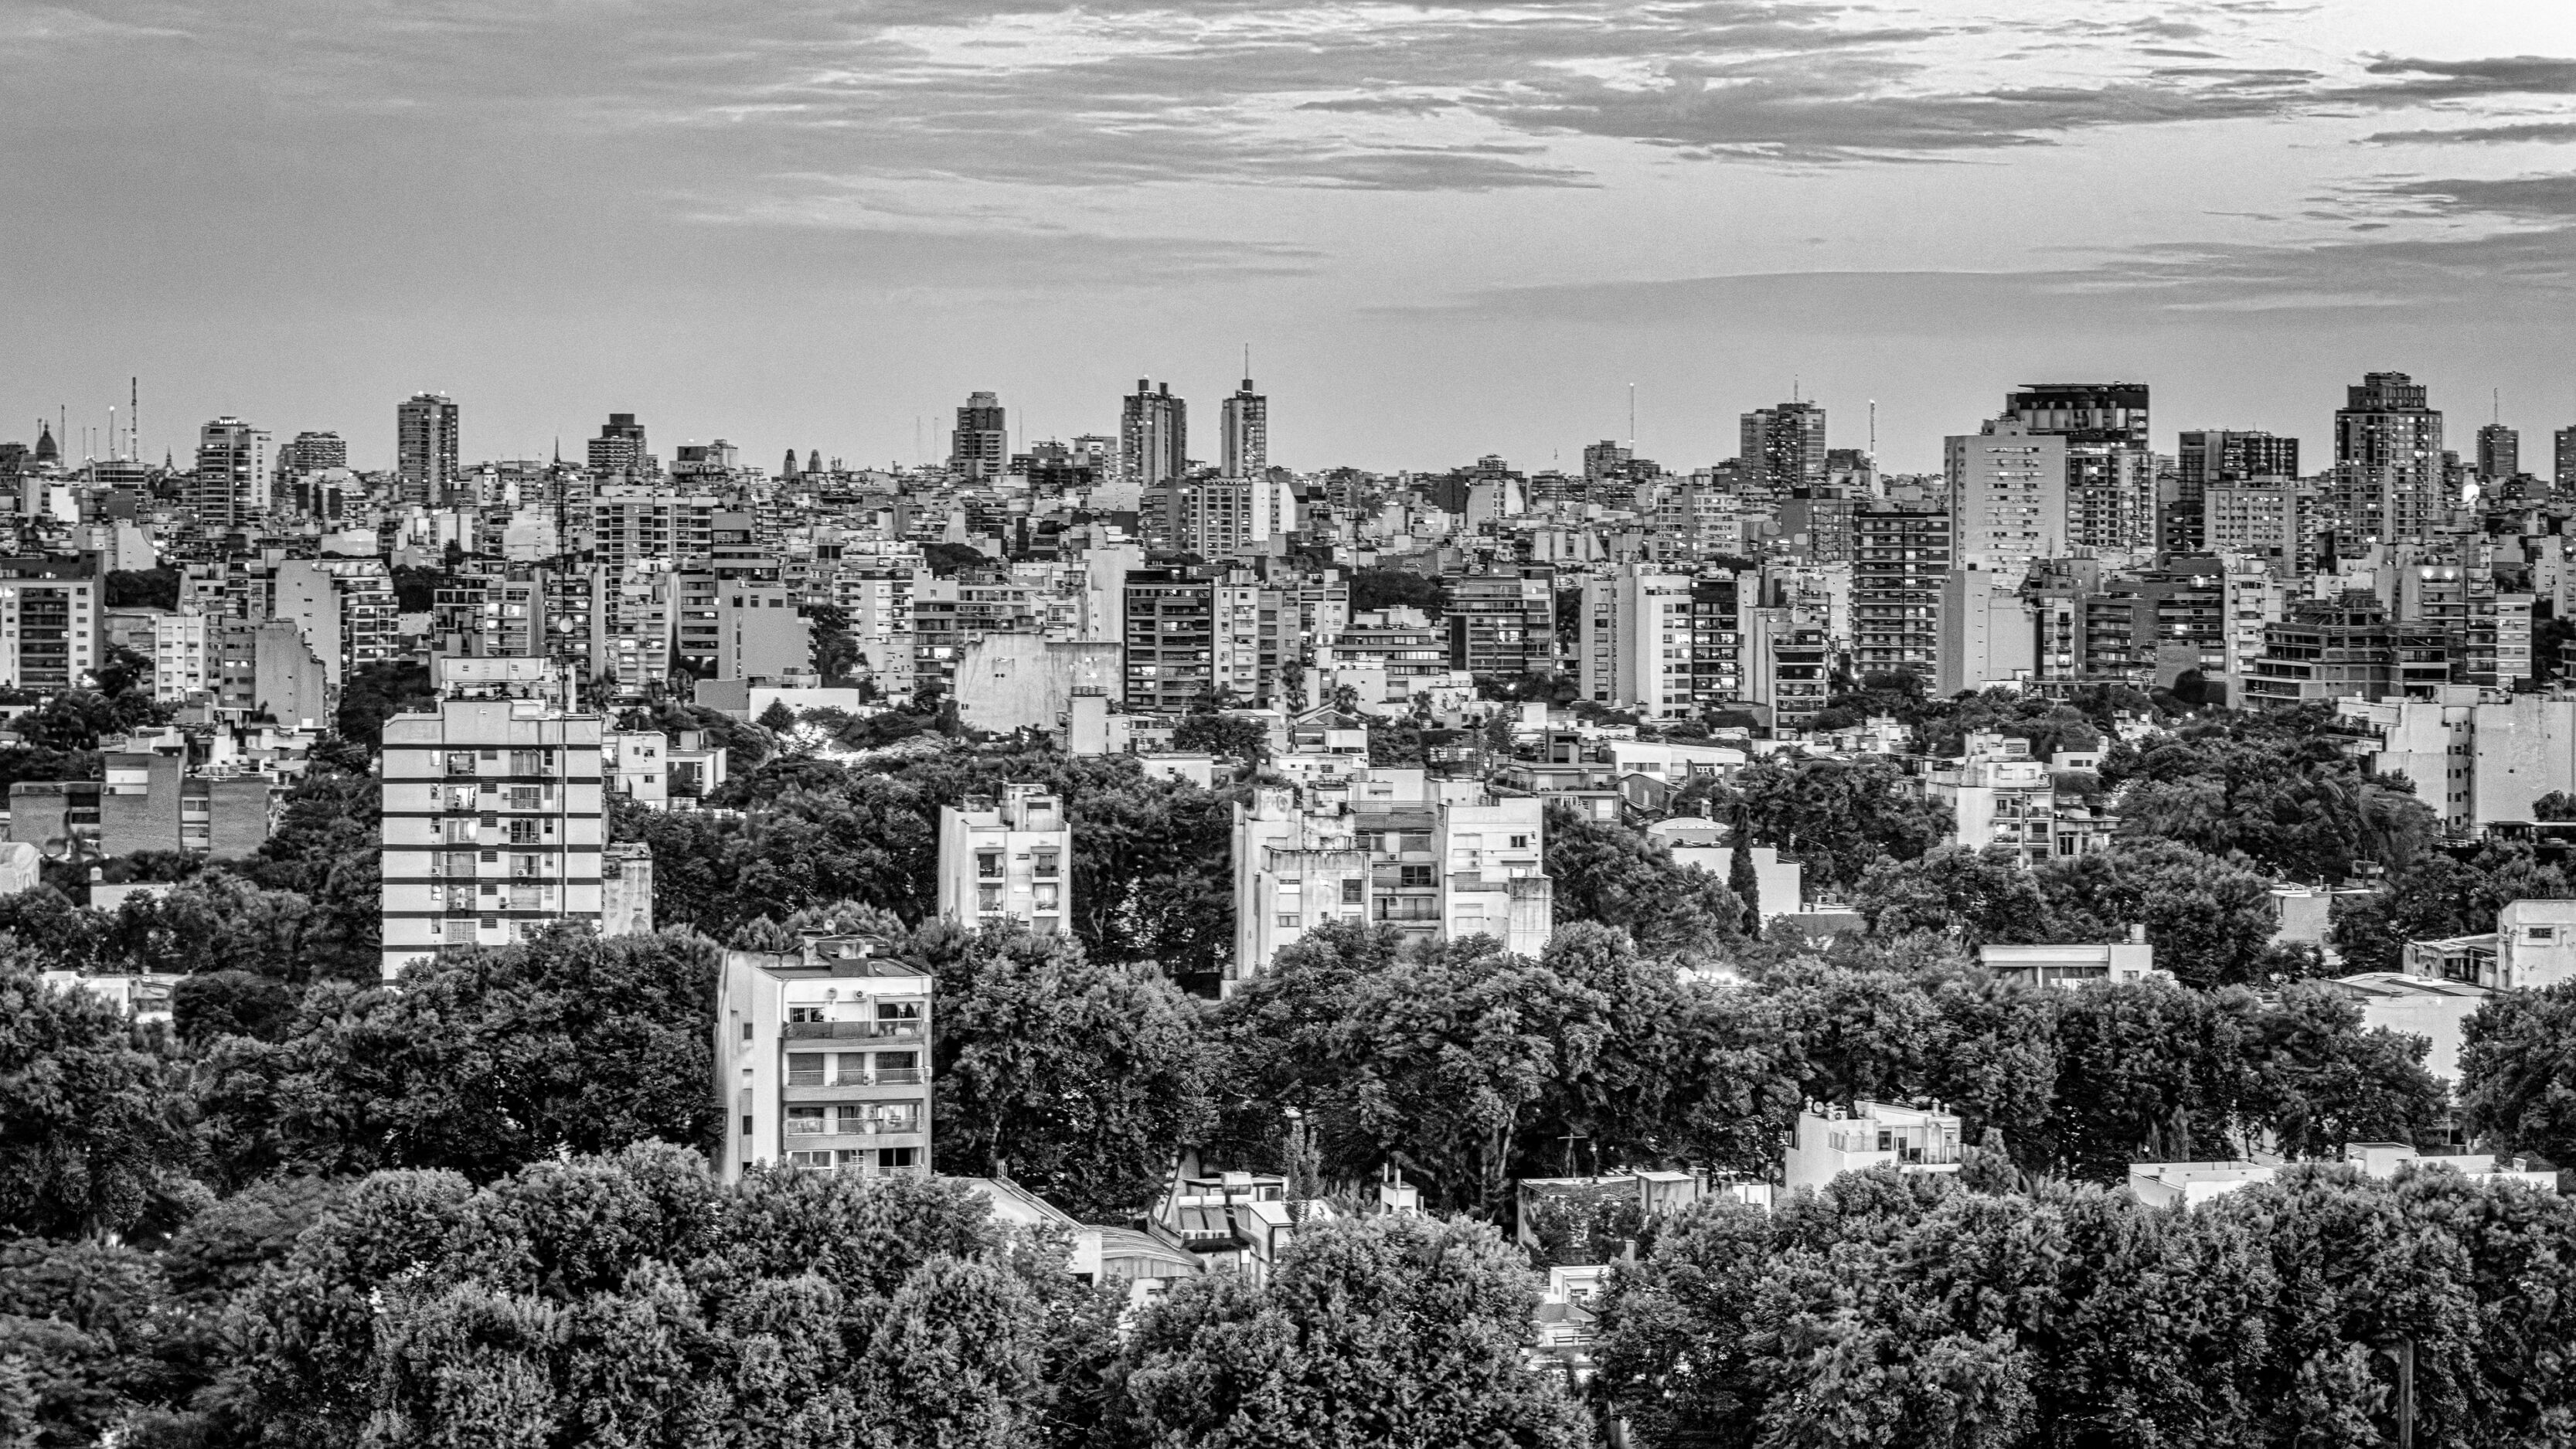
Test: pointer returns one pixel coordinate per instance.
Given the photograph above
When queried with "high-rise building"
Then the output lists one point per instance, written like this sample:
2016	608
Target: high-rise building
823	1061
2563	475
1669	645
313	452
1170	621
1153	435
2220	456
2008	494
2499	452
231	481
1901	555
1245	421
493	815
1502	622
980	447
1784	445
619	448
425	447
1007	860
2110	476
2388	477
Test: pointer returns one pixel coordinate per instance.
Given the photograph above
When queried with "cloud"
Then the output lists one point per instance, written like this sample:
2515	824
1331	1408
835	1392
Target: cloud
2430	80
2478	135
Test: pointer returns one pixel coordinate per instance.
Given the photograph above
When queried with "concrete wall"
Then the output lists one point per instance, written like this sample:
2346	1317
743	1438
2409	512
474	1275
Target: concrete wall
2525	749
1016	681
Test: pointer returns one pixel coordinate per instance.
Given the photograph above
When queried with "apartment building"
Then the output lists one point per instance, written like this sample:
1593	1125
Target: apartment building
822	1061
635	619
1668	645
2330	648
1502	623
1010	859
1435	870
493	812
345	606
53	617
1900	561
1999	796
270	668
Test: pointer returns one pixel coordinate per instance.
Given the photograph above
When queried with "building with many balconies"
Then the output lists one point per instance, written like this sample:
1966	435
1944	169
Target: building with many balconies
822	1061
1010	859
492	812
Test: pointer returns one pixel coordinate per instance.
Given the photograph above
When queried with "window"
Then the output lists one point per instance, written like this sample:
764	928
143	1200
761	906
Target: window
746	1127
1286	921
746	1031
804	1121
804	1013
894	1157
1351	892
805	1069
2544	933
1412	876
850	1069
1520	842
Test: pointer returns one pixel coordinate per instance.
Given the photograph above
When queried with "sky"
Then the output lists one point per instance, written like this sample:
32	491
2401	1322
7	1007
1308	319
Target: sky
1443	230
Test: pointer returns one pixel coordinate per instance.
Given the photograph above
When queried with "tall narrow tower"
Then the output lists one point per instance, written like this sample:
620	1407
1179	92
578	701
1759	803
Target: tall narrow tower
1245	420
425	447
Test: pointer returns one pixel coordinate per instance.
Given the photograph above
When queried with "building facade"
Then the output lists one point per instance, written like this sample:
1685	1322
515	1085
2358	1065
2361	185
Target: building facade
822	1061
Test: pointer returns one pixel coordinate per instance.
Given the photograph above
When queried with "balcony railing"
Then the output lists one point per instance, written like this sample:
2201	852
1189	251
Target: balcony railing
863	1030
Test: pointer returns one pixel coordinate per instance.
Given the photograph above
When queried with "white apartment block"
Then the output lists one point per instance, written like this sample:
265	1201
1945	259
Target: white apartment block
181	663
492	816
822	1061
2007	496
1436	871
1007	860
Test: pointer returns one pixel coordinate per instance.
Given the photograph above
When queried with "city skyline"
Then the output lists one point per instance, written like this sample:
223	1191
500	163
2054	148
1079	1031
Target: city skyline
826	232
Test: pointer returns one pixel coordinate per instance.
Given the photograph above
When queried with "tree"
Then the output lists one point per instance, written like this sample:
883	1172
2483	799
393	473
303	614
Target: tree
1602	871
2556	805
631	1299
1075	1079
374	693
778	718
1394	588
1742	878
1981	896
1384	1330
1838	817
92	1134
1226	735
480	1062
2518	1071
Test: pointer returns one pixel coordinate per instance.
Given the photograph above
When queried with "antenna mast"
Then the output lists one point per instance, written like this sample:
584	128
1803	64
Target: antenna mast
1873	430
1632	420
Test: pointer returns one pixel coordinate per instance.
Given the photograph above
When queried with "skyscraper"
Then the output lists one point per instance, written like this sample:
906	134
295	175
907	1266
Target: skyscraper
2564	477
1784	445
1153	435
981	445
2499	452
619	448
1245	421
2009	493
2388	463
2110	476
425	447
231	481
2220	457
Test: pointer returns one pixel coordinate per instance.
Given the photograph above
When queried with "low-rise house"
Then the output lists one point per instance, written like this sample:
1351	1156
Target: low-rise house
2074	964
2189	1184
1830	1141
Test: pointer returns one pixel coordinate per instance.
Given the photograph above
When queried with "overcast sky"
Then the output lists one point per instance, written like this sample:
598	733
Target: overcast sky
1444	230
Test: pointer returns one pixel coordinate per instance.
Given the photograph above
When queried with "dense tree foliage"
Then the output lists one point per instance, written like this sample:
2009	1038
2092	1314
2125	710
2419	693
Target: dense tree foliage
479	1062
1386	1331
1837	818
2518	1072
90	1132
1075	1079
1891	1310
1151	870
2210	920
1599	871
1393	589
